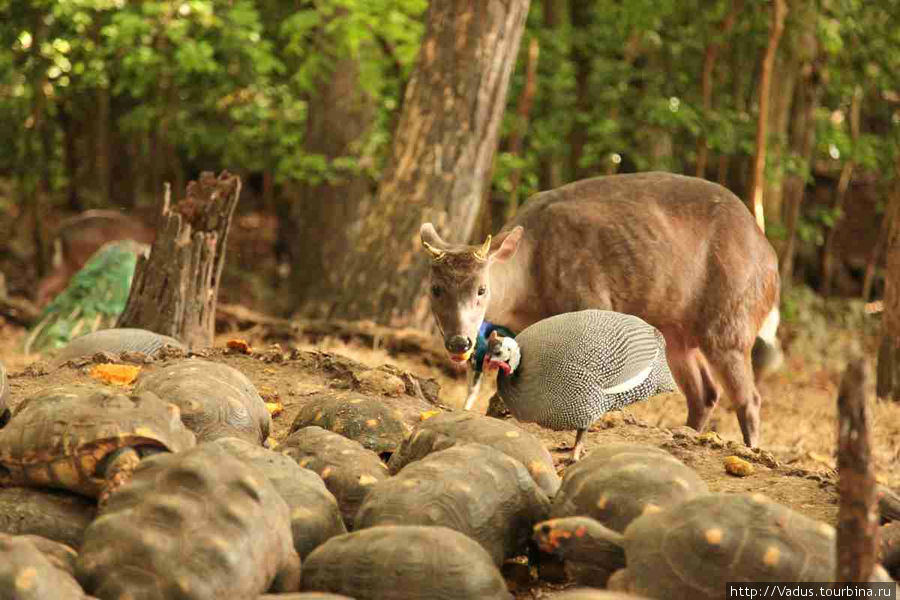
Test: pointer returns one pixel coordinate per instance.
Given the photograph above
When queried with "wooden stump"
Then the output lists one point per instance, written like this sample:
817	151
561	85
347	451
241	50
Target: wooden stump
174	290
857	537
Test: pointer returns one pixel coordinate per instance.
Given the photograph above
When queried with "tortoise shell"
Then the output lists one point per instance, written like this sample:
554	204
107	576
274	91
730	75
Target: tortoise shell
592	594
692	550
348	470
34	569
367	420
216	400
58	437
315	515
304	596
404	561
617	483
199	524
472	488
114	341
57	515
448	429
4	396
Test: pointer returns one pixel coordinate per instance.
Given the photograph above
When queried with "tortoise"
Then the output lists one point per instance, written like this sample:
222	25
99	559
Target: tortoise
216	400
618	482
472	488
5	413
447	429
691	550
404	561
888	504
86	438
195	525
315	515
33	568
889	552
115	341
57	515
362	418
348	469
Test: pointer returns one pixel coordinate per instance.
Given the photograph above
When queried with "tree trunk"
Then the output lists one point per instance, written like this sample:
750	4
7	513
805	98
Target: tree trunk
755	195
321	214
174	291
803	135
516	138
888	383
875	253
580	14
710	56
857	538
443	147
840	197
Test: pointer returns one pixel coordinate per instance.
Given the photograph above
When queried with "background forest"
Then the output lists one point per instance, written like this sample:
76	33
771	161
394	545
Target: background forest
102	101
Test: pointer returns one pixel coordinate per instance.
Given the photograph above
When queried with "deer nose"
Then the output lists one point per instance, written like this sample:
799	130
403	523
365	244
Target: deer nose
458	344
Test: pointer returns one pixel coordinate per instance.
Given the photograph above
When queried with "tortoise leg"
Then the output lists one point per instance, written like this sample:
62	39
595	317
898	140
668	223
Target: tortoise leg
117	469
579	445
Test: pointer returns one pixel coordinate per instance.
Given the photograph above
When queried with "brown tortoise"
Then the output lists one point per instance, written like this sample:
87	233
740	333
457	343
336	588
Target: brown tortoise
57	515
216	400
34	568
315	515
404	562
86	438
692	550
348	470
472	488
448	429
367	420
196	525
618	482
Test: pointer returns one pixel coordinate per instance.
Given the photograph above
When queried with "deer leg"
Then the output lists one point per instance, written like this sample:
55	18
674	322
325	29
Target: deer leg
695	382
474	387
735	371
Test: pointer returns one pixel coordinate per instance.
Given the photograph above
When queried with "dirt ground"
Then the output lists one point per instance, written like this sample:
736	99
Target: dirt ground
795	465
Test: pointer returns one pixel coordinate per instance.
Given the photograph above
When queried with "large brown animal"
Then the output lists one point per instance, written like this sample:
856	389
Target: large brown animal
682	253
79	237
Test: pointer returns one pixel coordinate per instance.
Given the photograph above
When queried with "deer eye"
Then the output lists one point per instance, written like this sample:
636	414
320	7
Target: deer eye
436	291
482	290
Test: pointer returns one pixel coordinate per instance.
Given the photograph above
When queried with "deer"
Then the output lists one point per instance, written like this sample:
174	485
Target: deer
680	252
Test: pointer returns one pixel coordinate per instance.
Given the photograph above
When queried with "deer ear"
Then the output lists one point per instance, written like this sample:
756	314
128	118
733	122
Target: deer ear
509	246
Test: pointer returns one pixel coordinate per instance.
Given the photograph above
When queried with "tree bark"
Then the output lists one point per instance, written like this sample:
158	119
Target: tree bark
857	538
710	56
875	254
174	291
443	147
840	197
321	214
755	195
517	136
888	382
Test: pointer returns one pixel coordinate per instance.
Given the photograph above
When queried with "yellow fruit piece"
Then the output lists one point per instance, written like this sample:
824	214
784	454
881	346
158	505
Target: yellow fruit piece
738	466
113	373
275	408
428	414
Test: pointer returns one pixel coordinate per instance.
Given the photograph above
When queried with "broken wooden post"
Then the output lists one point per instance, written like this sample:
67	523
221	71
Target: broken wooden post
857	537
174	290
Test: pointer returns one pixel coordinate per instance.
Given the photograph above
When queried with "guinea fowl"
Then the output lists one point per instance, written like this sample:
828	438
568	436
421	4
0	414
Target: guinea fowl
565	371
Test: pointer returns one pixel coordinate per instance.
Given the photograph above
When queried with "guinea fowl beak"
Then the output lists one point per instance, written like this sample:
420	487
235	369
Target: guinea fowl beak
491	363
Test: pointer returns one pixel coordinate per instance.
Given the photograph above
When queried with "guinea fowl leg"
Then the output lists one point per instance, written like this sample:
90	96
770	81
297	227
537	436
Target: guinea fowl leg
579	445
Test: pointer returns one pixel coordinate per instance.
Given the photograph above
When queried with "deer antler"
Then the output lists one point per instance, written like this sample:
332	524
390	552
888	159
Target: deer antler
482	253
434	252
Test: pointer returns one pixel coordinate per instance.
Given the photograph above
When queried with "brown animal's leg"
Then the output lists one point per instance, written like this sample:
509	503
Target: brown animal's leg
735	371
694	380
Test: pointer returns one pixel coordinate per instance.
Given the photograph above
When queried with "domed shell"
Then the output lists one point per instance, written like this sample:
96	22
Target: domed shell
28	573
57	515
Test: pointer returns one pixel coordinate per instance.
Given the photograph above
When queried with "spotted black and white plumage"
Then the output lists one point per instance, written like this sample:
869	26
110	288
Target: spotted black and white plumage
574	367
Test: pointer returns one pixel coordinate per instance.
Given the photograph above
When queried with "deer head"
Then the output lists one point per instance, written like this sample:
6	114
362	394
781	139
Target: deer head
460	287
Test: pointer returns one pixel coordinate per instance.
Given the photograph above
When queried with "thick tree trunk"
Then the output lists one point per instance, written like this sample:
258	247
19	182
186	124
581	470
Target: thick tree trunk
857	538
322	214
840	197
755	195
174	291
875	254
710	56
888	383
443	147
